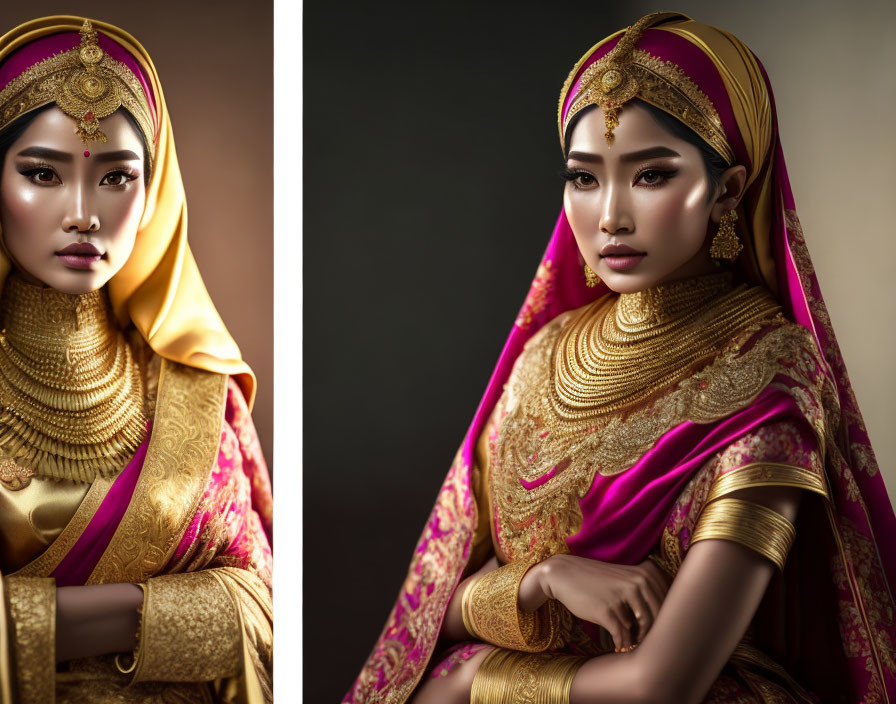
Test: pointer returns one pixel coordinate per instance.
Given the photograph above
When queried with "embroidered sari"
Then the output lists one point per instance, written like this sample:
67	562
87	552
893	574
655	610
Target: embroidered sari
773	407
190	511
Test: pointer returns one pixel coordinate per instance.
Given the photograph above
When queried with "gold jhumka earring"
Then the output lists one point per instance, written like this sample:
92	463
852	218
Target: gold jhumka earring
726	244
591	278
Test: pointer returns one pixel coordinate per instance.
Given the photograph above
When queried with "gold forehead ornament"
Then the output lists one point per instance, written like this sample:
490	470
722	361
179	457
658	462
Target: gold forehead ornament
86	84
627	72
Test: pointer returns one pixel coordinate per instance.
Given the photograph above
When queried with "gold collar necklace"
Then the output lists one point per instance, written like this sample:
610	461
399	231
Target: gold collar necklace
71	393
625	349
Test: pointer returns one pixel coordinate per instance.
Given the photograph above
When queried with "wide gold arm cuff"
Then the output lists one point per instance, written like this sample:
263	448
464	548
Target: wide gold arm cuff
509	677
32	610
748	523
766	474
491	613
190	630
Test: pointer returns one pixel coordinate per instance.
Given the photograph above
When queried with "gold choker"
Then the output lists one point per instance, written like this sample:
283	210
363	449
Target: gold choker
71	393
619	353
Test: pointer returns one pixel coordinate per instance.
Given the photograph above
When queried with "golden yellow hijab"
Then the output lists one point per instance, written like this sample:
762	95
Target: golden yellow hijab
160	289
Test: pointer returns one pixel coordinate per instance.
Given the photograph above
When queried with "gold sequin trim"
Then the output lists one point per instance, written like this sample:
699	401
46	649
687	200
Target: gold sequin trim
32	609
748	523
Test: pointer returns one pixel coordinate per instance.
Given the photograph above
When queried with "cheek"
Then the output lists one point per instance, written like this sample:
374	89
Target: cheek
679	212
122	216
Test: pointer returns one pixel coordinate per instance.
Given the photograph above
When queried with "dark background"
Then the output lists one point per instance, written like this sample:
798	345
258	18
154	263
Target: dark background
431	189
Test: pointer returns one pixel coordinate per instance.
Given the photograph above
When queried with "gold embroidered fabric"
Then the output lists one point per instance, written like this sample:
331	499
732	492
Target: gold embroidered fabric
542	464
511	677
32	611
748	523
190	630
33	517
86	84
71	394
182	452
491	613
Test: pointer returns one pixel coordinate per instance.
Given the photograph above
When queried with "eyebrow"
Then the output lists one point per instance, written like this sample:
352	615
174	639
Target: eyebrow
649	153
56	155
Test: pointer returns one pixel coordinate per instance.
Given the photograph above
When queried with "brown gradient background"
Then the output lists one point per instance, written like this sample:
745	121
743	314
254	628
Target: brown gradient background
431	189
215	61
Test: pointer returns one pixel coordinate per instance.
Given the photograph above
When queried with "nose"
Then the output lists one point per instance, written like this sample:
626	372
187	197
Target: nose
80	215
616	216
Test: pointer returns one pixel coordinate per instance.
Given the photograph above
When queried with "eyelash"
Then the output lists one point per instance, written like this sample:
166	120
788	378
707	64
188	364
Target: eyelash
573	175
32	171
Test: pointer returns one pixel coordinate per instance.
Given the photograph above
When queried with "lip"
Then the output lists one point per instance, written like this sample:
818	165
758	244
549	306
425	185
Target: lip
619	249
80	255
81	249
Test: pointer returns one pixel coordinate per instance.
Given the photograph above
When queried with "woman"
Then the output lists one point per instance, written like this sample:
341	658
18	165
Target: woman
667	492
136	502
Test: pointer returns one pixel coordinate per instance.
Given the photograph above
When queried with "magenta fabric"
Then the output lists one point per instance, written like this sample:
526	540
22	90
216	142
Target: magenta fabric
21	60
79	562
624	515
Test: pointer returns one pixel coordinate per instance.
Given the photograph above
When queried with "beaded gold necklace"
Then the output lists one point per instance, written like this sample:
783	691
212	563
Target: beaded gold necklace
616	355
71	393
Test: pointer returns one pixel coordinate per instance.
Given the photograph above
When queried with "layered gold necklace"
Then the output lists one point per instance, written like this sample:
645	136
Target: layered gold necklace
617	355
71	393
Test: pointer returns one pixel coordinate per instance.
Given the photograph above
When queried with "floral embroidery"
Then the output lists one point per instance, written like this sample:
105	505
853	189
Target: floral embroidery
537	299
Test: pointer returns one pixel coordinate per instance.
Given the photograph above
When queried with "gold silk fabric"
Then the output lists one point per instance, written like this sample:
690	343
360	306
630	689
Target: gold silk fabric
31	518
160	289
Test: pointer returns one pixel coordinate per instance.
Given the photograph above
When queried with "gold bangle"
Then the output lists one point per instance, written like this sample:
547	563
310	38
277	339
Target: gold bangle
511	677
136	654
491	610
125	670
748	523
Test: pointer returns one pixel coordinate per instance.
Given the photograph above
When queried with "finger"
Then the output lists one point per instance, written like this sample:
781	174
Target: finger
626	620
653	597
642	612
617	630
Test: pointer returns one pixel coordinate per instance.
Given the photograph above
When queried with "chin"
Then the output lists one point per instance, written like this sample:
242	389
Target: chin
73	282
621	282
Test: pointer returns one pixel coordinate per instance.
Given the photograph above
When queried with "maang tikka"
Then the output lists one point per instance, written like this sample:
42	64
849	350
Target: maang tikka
726	244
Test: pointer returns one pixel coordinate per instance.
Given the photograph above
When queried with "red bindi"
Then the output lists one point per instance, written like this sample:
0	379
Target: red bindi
86	153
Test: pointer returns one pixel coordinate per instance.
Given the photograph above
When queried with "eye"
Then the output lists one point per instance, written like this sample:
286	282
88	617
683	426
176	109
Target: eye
118	177
653	178
41	175
579	179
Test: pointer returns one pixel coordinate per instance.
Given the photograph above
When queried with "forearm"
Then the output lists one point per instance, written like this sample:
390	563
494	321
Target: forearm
96	620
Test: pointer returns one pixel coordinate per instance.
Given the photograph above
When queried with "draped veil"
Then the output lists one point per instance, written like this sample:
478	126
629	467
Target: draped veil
858	518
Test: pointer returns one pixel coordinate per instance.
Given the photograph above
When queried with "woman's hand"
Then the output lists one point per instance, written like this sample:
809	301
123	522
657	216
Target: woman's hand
615	597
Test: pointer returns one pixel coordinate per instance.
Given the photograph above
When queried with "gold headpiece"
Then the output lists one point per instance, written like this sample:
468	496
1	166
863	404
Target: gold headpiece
627	72
86	84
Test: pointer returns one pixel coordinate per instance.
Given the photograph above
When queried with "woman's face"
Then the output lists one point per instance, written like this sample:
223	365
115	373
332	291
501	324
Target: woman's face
648	197
70	221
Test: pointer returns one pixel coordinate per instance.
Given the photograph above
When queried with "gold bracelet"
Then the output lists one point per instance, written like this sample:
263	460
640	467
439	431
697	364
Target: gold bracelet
511	677
491	613
136	654
748	523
